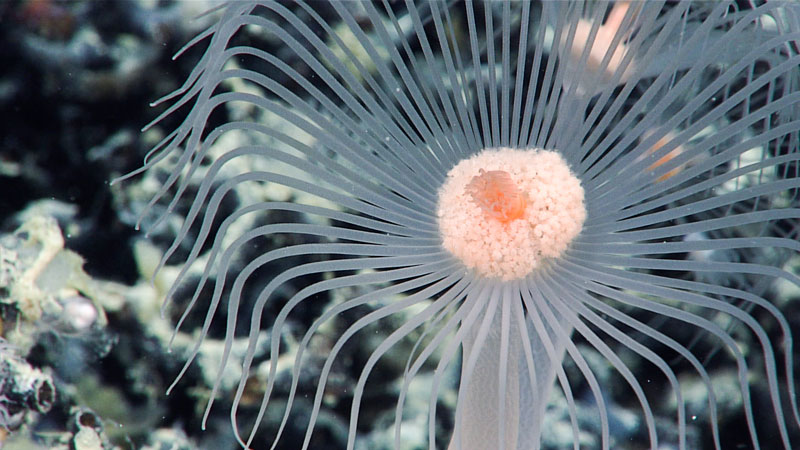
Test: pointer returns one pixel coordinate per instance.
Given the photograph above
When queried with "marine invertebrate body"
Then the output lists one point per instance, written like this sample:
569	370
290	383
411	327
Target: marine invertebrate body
524	186
502	212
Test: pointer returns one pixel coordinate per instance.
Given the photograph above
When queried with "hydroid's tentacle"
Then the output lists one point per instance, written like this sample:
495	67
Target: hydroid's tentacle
660	337
605	279
559	326
439	279
611	330
457	74
474	433
653	286
635	205
462	303
554	350
475	303
608	353
571	278
445	300
685	229
711	117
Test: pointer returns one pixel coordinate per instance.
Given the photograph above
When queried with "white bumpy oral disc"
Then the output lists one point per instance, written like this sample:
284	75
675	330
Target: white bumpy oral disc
503	211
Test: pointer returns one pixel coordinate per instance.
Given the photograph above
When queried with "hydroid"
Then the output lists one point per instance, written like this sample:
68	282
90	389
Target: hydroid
664	130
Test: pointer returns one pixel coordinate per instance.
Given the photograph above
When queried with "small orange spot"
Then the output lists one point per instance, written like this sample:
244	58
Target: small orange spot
498	196
666	158
51	19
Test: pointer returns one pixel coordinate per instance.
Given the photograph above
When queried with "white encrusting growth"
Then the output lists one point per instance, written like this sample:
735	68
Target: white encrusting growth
553	215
